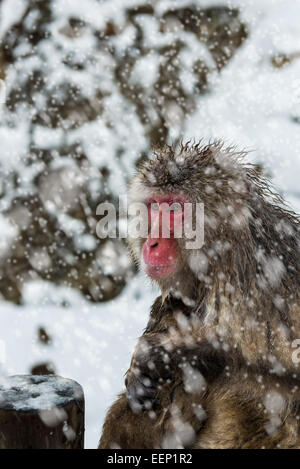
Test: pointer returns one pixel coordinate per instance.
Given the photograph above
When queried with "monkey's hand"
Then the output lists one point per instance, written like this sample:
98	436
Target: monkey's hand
148	371
141	391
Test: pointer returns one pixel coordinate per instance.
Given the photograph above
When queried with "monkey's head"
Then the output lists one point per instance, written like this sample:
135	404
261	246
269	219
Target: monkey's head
210	181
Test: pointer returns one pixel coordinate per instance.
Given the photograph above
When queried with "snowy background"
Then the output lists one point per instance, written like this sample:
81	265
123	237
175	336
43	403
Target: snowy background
87	88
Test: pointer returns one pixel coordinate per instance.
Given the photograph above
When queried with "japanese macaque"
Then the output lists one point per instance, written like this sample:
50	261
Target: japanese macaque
217	365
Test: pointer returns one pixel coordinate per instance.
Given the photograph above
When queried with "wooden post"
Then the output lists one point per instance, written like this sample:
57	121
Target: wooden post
41	412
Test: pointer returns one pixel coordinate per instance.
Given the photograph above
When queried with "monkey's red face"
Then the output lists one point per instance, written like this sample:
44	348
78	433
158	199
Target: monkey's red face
160	250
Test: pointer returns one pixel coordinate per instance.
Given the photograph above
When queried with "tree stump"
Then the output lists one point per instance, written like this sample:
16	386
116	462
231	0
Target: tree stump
41	412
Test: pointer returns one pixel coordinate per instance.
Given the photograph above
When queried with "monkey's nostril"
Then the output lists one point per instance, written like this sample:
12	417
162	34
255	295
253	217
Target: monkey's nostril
154	245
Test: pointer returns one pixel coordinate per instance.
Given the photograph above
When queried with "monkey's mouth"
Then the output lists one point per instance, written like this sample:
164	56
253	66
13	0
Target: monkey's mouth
160	271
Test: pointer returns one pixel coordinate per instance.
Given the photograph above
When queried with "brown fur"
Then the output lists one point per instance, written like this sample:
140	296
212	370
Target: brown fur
230	322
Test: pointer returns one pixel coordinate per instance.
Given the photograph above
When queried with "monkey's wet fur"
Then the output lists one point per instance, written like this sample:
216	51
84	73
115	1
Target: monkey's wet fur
217	365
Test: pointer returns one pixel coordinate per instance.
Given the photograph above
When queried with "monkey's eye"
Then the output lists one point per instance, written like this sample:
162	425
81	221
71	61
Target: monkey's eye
175	207
155	206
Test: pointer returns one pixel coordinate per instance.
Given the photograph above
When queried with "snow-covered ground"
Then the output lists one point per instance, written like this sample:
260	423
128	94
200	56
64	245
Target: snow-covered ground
253	104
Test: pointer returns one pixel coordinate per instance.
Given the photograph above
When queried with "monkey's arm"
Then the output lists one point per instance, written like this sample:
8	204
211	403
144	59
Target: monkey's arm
161	358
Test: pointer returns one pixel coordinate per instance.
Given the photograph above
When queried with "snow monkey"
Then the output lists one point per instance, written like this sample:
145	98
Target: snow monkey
217	365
